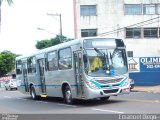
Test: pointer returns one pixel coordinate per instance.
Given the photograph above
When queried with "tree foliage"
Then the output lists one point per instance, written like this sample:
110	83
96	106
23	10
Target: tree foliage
7	62
51	42
10	2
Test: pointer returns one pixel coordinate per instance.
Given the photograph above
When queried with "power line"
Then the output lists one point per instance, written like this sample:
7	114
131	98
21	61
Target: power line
136	25
38	28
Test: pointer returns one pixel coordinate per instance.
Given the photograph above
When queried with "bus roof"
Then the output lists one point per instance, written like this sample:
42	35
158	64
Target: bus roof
59	46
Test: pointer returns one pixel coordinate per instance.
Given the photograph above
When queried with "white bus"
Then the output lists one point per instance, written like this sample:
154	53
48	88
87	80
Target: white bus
85	68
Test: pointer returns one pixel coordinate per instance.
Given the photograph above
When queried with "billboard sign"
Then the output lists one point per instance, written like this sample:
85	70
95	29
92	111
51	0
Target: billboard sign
149	64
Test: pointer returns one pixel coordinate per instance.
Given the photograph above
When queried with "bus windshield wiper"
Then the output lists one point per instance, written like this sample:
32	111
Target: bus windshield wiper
99	52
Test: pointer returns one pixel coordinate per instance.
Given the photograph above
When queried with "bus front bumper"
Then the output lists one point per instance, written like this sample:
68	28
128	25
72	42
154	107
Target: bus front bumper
98	93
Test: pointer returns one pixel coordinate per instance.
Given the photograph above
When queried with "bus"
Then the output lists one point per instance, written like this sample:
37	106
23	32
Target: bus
85	68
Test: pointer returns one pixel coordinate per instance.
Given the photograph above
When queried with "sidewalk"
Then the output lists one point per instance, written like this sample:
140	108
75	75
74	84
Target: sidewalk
147	88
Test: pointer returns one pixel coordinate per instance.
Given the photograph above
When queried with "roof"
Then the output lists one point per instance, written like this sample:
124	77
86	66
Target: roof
59	46
132	61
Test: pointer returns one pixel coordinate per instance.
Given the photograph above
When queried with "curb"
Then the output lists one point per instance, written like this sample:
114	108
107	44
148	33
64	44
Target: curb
144	91
153	89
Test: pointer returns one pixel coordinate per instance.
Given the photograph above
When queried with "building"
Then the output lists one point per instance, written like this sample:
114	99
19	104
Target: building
137	22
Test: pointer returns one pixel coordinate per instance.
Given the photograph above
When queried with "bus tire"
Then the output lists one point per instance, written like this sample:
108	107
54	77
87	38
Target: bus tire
33	93
68	95
6	89
105	98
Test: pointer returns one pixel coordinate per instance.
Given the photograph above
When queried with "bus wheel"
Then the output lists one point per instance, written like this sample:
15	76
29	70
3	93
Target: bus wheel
6	89
105	98
33	93
68	95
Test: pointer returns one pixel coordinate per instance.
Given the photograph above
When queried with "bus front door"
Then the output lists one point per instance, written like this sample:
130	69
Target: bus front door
41	65
78	73
25	79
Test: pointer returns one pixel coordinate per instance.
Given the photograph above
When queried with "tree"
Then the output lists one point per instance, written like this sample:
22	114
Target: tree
43	44
7	62
51	42
10	2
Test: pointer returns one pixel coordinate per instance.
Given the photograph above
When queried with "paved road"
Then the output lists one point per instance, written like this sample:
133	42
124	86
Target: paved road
137	102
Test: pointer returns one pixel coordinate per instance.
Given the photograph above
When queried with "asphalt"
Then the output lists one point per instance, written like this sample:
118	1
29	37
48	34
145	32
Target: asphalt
147	89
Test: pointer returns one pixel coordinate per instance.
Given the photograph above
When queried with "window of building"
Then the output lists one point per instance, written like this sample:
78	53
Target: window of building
52	61
88	32
130	53
149	9
158	9
65	59
150	32
31	62
133	32
18	67
88	10
133	9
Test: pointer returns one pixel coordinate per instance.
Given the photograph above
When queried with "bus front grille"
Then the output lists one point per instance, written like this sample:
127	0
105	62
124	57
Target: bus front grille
110	91
109	81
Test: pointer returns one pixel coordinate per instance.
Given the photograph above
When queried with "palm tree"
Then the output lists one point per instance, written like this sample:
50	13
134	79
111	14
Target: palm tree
10	2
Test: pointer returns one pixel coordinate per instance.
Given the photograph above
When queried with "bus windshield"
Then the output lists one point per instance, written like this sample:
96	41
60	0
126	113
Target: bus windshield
105	62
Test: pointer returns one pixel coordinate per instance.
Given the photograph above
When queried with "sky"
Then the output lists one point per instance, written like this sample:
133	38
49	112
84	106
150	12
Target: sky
20	21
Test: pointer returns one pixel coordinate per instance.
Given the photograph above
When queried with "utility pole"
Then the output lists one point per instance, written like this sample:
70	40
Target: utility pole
51	14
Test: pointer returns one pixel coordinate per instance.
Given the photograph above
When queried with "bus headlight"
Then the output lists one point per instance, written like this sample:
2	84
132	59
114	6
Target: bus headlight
126	83
92	85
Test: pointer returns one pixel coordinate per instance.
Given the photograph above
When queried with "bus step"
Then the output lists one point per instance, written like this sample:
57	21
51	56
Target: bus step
43	95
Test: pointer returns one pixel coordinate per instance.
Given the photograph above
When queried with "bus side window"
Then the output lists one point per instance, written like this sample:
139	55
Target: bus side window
31	62
52	61
18	67
65	59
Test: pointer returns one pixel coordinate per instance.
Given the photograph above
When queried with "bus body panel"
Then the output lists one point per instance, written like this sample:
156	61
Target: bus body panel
55	79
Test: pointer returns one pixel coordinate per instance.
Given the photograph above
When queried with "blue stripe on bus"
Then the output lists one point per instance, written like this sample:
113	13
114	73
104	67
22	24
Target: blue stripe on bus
51	85
99	85
121	84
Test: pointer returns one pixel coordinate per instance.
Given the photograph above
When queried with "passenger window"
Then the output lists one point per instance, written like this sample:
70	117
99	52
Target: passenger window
18	67
52	61
31	62
65	59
